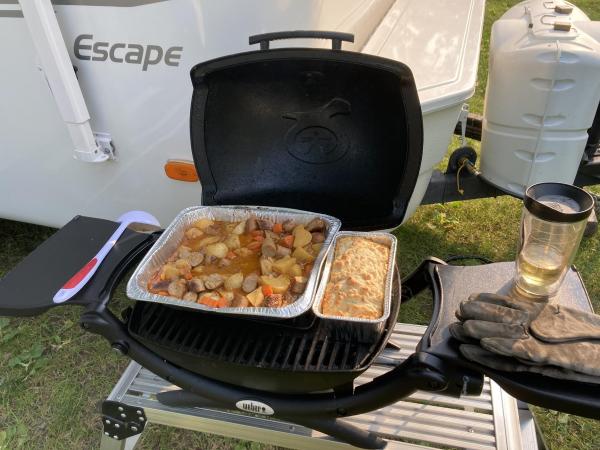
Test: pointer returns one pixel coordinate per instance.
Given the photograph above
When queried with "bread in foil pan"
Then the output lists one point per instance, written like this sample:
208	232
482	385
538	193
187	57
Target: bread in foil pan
366	329
171	238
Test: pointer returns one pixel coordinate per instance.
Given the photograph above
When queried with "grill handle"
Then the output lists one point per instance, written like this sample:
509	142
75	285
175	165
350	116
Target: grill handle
335	36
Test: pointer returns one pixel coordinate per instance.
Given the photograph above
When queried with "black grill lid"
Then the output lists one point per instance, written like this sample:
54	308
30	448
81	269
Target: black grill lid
329	131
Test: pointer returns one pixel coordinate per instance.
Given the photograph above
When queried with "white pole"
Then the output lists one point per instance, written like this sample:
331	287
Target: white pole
52	51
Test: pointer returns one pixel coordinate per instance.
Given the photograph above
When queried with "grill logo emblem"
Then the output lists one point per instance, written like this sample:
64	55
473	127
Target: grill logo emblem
255	407
315	136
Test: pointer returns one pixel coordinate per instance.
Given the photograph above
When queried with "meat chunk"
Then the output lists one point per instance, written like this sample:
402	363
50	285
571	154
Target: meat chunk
251	224
195	258
282	251
176	288
161	285
299	285
212	230
213	281
265	224
250	283
289	298
190	296
195	285
315	225
239	301
289	225
224	262
268	248
317	238
210	259
273	301
184	252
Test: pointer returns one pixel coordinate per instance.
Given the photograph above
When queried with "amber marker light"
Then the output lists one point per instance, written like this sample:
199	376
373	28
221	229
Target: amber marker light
177	169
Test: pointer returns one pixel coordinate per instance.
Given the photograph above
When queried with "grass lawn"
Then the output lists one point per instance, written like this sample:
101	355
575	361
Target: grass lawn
54	375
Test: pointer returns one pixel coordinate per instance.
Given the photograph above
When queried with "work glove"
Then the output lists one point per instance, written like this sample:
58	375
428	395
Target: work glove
530	336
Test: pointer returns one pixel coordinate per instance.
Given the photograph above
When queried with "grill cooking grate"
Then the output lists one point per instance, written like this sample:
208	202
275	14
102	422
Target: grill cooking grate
263	344
285	356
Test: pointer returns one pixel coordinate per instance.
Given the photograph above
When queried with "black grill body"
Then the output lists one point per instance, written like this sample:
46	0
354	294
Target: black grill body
276	356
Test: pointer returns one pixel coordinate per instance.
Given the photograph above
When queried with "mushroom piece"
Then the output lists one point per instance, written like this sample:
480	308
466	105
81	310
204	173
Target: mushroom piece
213	281
250	282
176	288
315	225
190	296
317	237
195	285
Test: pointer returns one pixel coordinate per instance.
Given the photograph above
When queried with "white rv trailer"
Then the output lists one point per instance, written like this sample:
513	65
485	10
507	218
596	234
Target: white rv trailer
132	91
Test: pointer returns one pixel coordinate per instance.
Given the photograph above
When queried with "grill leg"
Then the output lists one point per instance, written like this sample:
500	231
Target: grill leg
108	443
343	431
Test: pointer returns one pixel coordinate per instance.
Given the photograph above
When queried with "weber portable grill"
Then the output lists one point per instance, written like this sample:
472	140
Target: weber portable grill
323	130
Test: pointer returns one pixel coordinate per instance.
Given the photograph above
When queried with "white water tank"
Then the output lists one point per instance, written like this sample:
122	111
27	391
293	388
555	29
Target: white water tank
542	94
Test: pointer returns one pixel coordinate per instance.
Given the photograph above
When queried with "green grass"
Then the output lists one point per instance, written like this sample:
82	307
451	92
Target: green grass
53	374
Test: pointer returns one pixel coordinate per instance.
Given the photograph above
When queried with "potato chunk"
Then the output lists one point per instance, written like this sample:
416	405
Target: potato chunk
256	297
218	250
233	242
234	281
279	284
301	236
203	223
284	265
302	255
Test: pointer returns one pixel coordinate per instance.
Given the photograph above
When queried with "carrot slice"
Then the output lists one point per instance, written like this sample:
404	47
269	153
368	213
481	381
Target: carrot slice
287	241
254	245
259	238
221	303
278	228
267	290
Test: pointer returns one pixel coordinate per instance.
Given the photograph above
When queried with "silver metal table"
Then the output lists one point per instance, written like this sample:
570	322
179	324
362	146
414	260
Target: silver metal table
424	420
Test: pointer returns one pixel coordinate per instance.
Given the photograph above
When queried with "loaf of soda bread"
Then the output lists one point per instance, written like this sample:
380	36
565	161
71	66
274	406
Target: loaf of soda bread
356	286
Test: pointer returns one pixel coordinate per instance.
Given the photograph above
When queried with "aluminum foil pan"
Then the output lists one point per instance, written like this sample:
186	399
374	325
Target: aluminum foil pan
166	245
365	328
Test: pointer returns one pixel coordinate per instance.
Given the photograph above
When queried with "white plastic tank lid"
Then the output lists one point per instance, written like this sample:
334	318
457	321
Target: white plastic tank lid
439	40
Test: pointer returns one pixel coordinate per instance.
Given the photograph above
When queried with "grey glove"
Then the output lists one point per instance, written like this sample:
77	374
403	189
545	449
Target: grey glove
535	333
486	358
